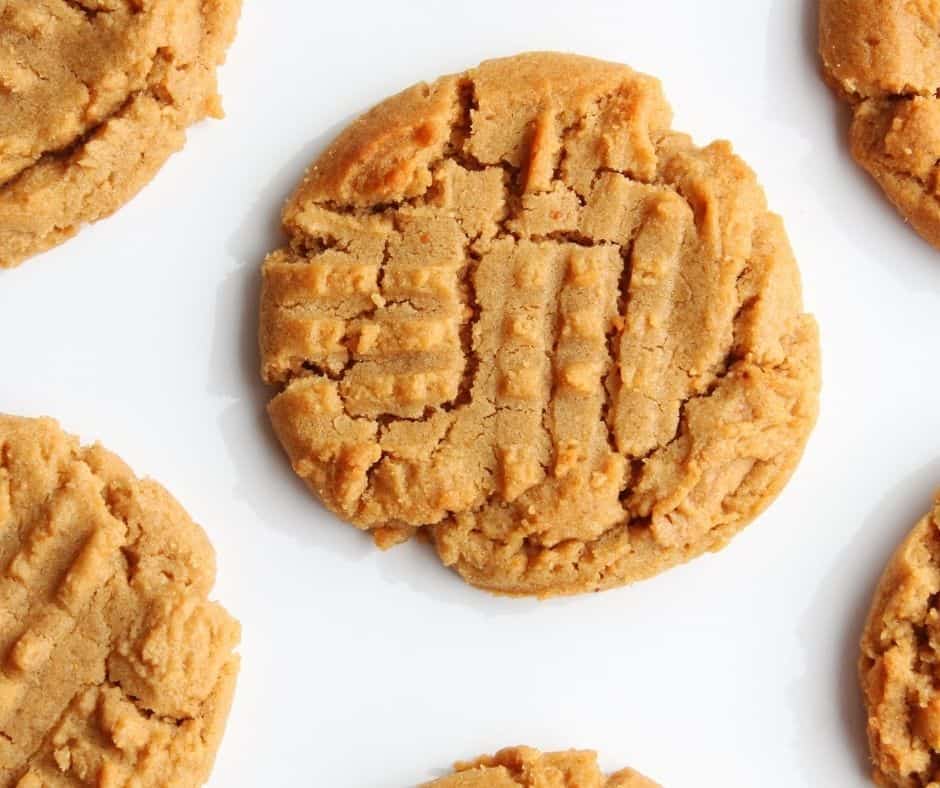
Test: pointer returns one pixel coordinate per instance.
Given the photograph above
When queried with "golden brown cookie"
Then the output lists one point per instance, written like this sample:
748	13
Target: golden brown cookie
524	767
900	663
114	669
883	57
94	96
517	311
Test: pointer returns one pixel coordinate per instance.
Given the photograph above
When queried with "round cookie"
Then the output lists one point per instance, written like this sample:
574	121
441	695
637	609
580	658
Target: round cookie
524	767
883	58
114	669
518	312
94	97
900	663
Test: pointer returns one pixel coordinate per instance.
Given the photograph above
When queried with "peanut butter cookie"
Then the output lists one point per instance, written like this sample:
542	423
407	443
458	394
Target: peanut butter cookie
883	57
94	97
523	767
114	669
900	663
520	313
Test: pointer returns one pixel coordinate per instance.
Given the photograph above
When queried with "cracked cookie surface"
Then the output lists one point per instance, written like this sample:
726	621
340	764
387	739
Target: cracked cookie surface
114	667
520	313
94	97
524	767
900	663
883	58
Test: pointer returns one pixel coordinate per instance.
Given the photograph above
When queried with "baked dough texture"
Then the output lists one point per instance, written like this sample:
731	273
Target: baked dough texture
900	663
524	767
883	58
518	313
94	97
114	668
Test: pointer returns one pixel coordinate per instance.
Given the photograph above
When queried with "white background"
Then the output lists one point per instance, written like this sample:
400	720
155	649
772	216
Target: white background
369	669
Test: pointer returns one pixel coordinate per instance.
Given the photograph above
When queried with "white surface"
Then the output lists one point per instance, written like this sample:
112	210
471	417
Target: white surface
369	669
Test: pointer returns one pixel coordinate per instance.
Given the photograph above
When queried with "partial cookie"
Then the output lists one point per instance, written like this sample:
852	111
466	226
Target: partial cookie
94	97
524	767
900	663
883	57
517	311
114	669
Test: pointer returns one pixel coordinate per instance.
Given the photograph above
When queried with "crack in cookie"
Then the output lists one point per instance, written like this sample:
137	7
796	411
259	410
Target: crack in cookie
519	312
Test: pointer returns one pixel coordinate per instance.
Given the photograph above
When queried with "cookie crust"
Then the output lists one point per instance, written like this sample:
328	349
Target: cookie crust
525	767
114	667
94	97
519	312
900	662
883	58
